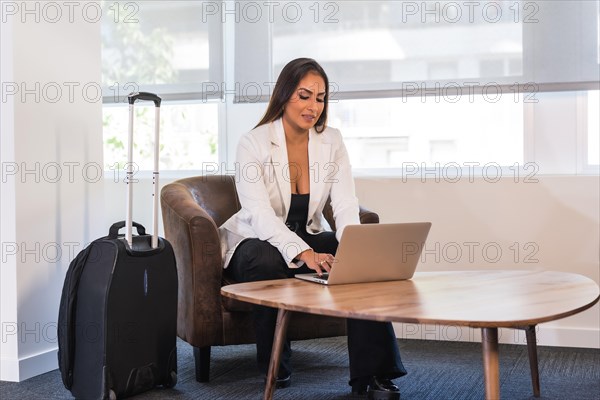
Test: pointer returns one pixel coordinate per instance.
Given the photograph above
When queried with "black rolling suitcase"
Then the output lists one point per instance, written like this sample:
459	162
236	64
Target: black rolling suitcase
118	312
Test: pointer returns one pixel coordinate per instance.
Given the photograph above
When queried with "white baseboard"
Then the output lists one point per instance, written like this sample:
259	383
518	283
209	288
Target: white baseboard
569	337
14	370
9	370
546	335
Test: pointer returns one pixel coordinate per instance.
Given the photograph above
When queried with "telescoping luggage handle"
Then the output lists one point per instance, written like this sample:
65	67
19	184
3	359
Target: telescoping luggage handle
132	98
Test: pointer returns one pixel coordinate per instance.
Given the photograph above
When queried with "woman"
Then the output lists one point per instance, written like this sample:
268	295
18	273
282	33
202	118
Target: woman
286	168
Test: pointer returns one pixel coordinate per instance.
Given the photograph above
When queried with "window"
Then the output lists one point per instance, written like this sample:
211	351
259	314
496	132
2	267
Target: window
429	83
188	136
431	131
441	82
172	48
363	43
375	46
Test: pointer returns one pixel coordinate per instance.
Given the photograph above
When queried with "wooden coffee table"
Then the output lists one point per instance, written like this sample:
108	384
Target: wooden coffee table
481	299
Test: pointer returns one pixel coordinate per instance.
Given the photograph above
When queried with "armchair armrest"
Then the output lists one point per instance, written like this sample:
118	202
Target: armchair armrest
367	216
195	240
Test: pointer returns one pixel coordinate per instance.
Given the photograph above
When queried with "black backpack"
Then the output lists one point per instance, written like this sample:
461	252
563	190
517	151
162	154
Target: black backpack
66	323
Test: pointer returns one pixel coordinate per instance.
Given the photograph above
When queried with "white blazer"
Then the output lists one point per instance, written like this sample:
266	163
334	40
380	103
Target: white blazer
264	188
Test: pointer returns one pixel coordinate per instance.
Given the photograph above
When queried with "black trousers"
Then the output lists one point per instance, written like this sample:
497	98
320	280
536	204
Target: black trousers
372	346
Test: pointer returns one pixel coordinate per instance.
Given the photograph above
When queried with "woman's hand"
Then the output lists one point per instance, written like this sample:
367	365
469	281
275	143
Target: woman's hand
320	262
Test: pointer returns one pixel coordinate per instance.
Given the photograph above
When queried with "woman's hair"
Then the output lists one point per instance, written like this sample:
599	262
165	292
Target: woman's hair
288	81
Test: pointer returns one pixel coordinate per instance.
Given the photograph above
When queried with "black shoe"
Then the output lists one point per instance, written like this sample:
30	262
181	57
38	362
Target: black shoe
282	382
383	389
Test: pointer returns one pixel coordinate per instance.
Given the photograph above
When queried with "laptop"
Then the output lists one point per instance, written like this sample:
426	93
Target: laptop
374	253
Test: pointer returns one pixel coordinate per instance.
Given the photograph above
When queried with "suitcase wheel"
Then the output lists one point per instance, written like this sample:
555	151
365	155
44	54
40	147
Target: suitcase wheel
172	380
112	395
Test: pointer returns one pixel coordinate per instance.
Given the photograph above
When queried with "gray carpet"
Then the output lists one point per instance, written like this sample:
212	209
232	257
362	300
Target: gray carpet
437	370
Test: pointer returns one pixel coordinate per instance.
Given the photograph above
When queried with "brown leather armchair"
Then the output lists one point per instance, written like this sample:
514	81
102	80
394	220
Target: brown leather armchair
192	209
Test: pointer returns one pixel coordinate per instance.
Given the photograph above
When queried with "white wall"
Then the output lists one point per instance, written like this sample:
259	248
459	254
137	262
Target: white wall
51	190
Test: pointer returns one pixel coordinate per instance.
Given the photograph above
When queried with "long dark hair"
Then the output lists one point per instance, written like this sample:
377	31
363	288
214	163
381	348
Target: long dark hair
288	81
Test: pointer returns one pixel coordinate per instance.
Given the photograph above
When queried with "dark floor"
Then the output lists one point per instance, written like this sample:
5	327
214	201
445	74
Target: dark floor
437	370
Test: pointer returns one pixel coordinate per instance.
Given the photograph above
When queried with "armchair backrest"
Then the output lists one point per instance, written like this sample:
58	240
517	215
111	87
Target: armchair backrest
216	194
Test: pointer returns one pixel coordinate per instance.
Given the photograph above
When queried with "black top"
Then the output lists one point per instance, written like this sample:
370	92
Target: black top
298	213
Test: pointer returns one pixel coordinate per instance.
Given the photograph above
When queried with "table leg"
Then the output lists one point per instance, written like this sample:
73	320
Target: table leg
283	317
533	360
489	338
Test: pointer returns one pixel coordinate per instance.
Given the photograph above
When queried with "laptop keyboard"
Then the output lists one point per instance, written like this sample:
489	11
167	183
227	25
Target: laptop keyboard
323	276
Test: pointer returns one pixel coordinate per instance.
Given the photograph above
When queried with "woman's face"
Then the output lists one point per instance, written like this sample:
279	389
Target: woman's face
303	109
